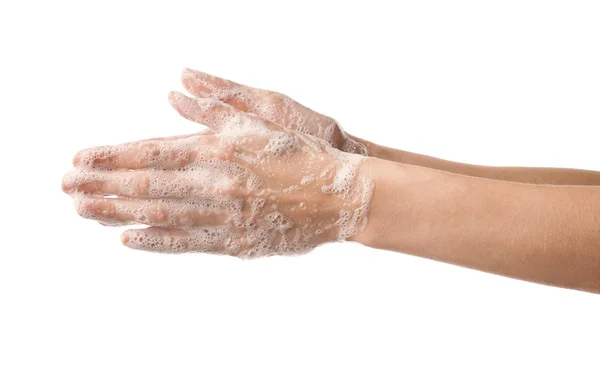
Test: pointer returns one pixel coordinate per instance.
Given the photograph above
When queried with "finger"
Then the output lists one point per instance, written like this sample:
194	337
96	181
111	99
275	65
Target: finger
164	213
100	155
243	98
134	184
212	178
202	84
121	211
172	138
172	240
149	154
213	113
269	105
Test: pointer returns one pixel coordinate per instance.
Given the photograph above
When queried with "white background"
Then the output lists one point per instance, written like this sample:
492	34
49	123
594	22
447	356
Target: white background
486	82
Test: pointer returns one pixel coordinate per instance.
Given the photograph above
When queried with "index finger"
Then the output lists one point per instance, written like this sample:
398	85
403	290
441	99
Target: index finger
172	154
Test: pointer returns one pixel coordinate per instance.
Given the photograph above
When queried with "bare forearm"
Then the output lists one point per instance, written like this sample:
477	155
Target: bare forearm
555	176
541	233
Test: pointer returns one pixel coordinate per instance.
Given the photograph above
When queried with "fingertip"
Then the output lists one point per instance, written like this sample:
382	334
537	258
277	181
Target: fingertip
199	84
77	159
188	79
125	236
180	103
187	74
64	184
175	96
69	181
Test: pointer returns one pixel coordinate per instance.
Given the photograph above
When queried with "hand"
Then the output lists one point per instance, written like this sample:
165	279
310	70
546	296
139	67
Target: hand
248	188
272	106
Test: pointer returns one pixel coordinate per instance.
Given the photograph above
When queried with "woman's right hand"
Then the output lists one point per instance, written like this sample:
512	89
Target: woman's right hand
271	106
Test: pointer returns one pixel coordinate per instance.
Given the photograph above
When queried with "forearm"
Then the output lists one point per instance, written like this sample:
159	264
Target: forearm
541	233
555	176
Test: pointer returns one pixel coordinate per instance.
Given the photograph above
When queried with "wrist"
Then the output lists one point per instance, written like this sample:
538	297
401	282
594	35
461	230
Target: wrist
385	205
372	148
381	152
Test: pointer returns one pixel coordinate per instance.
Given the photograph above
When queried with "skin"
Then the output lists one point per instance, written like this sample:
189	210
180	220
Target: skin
534	224
249	188
204	85
529	175
542	233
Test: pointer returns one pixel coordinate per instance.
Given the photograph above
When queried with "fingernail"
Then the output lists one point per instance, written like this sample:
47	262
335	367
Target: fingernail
125	238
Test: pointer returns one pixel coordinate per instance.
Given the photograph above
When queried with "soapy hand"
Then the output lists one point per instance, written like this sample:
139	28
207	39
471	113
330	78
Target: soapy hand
272	106
248	188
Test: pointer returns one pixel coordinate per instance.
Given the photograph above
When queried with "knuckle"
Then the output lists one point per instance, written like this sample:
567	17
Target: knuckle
158	214
180	157
274	98
179	245
187	218
226	153
104	209
88	208
142	185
